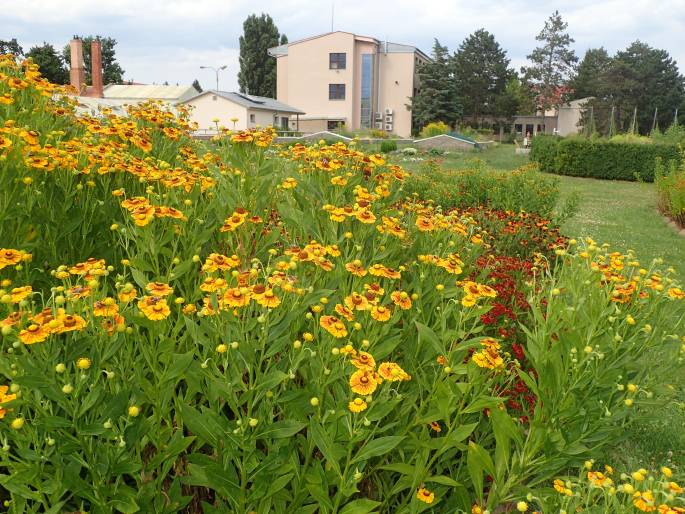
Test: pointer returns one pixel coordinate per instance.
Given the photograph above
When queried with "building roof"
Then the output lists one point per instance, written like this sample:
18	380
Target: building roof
250	101
148	92
386	46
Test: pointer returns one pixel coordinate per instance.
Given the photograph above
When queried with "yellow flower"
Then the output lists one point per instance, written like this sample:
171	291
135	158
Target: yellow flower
363	382
33	334
83	363
522	506
425	495
644	501
357	405
154	307
380	313
333	326
392	372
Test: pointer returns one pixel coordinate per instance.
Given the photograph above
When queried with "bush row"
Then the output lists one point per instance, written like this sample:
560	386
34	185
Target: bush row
670	185
524	189
602	159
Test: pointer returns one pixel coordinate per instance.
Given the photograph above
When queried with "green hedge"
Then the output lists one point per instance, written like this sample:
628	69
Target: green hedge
599	158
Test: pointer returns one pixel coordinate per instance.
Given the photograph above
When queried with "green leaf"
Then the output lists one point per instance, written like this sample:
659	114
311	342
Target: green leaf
280	429
361	506
427	335
325	444
377	447
443	480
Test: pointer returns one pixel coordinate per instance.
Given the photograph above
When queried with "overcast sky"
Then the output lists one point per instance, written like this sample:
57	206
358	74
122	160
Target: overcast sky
168	40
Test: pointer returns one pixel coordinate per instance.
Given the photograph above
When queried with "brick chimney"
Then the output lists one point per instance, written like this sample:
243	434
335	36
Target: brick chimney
96	69
77	73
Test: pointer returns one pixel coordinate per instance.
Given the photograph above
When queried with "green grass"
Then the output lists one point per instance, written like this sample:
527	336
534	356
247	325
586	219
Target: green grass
501	157
624	215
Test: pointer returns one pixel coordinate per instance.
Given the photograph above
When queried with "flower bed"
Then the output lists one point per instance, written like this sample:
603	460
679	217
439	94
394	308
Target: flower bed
239	327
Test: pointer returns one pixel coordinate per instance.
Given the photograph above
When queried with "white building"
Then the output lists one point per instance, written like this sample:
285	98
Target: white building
240	111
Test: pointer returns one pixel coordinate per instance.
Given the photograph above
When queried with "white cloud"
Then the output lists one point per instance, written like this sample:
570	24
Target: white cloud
167	40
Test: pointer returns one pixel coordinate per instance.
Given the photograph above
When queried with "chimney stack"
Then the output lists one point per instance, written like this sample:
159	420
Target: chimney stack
96	68
77	73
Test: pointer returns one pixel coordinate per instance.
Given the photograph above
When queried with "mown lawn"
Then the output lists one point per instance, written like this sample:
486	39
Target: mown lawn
624	215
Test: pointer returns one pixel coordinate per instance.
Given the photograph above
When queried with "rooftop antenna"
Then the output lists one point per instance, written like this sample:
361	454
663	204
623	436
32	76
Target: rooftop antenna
332	13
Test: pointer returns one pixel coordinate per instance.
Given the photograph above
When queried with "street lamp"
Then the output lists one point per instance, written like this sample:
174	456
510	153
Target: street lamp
216	70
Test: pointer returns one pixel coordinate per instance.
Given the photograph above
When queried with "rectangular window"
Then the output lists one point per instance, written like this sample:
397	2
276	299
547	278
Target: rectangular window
251	118
333	124
337	61
336	91
366	92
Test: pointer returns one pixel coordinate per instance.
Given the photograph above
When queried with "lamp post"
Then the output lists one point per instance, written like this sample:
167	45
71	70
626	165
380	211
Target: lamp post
216	70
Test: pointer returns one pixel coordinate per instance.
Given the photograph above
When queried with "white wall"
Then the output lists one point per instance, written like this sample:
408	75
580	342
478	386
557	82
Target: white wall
206	109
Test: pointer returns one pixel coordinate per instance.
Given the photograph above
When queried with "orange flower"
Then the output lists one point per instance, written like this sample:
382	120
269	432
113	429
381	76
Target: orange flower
401	299
334	326
268	299
356	268
159	289
216	261
34	334
19	293
344	312
392	372
380	313
236	297
154	307
358	302
363	382
105	307
69	323
363	360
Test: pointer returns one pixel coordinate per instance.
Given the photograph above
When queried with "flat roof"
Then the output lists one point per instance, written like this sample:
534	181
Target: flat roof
151	91
386	46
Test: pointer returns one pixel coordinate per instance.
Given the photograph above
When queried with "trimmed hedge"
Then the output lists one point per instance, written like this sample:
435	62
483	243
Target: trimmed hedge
599	158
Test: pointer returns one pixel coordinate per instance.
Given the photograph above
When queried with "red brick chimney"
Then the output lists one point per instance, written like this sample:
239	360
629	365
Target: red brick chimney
77	73
96	69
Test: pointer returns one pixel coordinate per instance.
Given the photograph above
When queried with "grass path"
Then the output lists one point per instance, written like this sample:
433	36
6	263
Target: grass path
624	215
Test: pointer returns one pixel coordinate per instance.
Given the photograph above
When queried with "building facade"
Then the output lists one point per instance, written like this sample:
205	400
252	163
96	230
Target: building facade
341	78
239	111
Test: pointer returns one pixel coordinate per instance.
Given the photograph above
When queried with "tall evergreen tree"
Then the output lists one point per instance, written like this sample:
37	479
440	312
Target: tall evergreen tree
257	75
437	98
50	63
481	70
639	81
112	72
11	47
284	39
552	63
588	79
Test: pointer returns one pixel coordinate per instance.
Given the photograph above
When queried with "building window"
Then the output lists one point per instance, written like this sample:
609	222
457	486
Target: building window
336	91
284	122
252	118
366	93
337	61
333	124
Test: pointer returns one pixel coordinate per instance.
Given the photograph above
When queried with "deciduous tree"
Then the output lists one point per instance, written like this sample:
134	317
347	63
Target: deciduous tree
50	63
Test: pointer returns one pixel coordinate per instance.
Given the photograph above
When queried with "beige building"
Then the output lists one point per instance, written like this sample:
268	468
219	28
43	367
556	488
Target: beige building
248	111
339	78
563	120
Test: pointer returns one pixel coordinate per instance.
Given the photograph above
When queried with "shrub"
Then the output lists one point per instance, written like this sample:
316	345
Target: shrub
409	151
599	158
434	128
388	146
523	189
670	185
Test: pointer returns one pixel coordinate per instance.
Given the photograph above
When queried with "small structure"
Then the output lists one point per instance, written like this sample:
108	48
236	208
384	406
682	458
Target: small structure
77	72
562	120
240	111
136	93
447	142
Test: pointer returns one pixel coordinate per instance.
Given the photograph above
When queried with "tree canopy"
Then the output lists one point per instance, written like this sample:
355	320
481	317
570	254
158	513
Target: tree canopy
481	71
552	62
436	99
257	75
587	80
50	63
